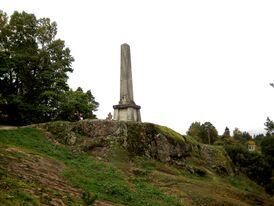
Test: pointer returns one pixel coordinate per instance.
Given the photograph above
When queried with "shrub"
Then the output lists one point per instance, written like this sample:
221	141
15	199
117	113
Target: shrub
88	198
254	165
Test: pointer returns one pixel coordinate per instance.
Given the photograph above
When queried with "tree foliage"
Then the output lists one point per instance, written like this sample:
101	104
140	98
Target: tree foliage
226	133
205	133
77	104
269	126
267	148
34	67
253	164
241	136
209	133
258	138
195	130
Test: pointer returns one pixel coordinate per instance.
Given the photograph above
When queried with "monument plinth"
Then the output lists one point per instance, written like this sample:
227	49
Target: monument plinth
126	110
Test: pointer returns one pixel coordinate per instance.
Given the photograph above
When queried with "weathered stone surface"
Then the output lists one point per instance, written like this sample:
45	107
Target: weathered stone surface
215	156
105	138
126	85
71	138
126	110
127	113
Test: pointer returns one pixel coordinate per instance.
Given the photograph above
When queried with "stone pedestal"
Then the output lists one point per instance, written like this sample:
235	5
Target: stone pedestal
126	110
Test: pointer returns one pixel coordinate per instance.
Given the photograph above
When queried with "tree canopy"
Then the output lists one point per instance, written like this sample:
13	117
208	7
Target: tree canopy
226	133
77	105
269	126
205	133
34	67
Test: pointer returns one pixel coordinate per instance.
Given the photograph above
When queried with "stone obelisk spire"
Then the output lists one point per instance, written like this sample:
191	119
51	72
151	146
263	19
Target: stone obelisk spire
126	110
126	87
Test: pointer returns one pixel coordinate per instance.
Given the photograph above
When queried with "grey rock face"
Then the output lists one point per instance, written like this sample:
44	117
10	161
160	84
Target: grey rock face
105	138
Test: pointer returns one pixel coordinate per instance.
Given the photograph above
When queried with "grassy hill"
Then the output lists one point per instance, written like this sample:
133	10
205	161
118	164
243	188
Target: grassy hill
116	163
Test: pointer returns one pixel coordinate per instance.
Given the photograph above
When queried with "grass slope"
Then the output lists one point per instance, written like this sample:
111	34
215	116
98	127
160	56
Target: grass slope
35	171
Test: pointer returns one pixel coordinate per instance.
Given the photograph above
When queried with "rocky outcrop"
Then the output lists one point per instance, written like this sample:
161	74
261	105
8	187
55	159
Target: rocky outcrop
102	138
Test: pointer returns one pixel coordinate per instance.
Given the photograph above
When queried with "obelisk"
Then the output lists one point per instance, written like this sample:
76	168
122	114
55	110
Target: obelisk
126	110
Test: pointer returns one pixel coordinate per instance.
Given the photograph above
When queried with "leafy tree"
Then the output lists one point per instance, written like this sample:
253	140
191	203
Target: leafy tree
237	134
77	104
34	68
205	133
93	104
195	130
241	136
259	138
269	124
226	133
225	138
267	148
209	133
246	136
253	165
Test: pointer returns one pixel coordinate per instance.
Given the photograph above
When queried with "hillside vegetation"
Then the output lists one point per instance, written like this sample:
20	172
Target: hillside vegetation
117	163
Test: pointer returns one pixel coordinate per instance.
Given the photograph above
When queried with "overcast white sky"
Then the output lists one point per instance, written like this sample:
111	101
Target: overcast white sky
192	60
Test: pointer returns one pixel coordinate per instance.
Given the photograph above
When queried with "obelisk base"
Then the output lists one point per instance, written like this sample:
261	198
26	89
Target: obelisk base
127	112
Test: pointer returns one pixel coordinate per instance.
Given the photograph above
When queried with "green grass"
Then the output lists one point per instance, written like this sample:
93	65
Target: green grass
12	191
192	140
242	183
15	191
18	198
134	181
85	172
33	140
109	183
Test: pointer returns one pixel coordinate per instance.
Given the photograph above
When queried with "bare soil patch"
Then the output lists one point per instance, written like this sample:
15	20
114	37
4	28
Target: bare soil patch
40	169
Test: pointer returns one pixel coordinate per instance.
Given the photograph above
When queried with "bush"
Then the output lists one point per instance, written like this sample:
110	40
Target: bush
252	164
88	198
118	190
267	147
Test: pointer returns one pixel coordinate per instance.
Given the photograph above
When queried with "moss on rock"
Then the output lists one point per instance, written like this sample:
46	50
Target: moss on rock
169	133
138	139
